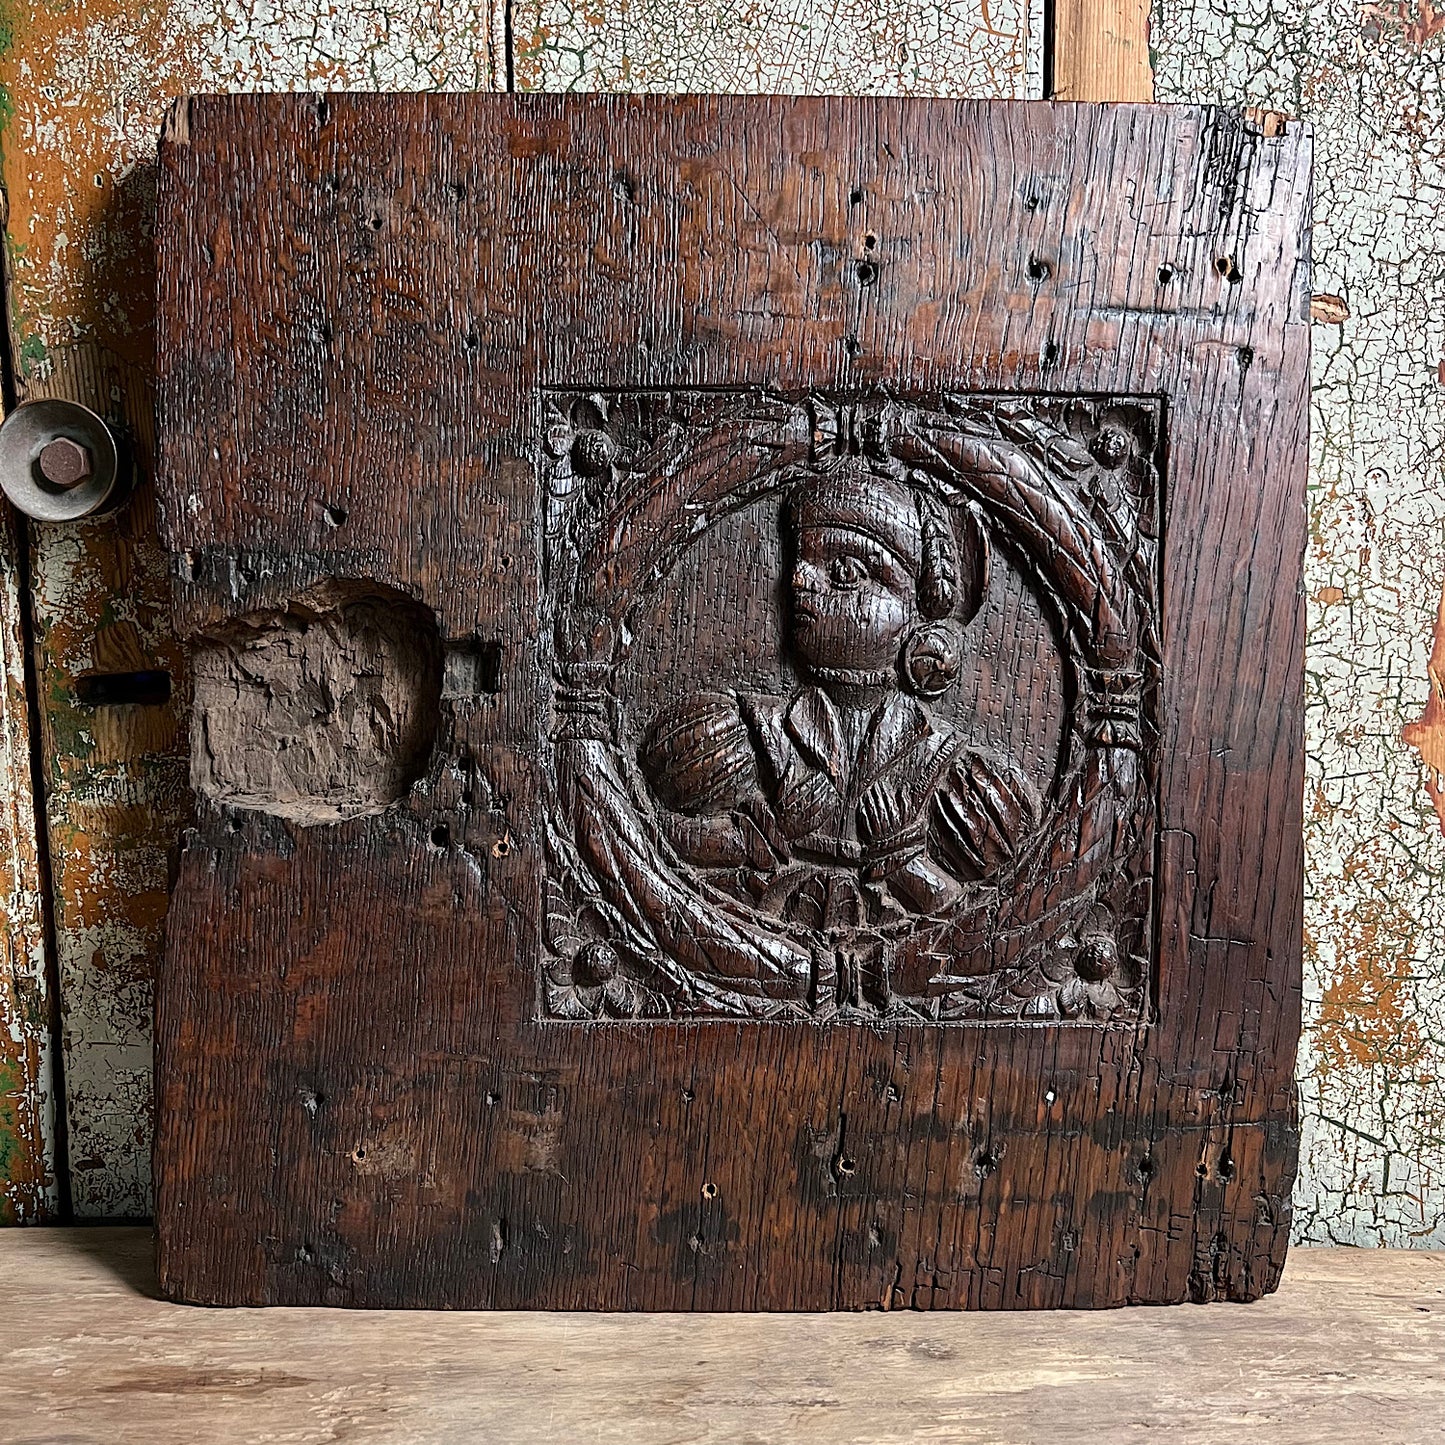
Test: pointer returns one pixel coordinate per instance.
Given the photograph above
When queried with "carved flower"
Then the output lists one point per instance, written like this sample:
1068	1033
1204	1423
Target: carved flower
1086	966
592	975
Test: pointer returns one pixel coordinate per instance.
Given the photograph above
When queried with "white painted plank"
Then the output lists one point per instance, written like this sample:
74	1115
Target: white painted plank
1373	1062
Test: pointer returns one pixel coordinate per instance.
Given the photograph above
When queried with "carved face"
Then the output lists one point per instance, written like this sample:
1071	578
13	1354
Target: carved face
853	600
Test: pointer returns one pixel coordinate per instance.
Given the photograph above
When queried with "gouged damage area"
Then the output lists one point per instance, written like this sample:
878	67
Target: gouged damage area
325	711
792	47
1373	1062
85	90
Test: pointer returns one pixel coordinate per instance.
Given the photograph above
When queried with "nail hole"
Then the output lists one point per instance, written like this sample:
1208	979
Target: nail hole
1202	1170
336	516
375	221
236	825
1050	355
1032	203
1226	267
845	1164
855	196
150	687
1039	269
851	346
1226	1168
984	1165
441	836
492	1100
457	191
504	563
869	241
501	848
709	1191
359	1153
1166	275
867	273
688	1096
1146	1168
1246	357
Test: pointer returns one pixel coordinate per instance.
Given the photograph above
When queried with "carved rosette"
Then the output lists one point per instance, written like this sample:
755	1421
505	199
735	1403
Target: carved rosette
1065	492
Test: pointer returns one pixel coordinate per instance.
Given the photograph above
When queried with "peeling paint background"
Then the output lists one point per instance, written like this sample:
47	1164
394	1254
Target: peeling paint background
85	88
1372	1070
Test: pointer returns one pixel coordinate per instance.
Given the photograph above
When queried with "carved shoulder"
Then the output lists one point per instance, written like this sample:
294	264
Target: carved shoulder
698	755
984	808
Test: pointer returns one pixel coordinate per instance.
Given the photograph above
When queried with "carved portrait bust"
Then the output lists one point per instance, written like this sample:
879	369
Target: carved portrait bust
849	801
854	709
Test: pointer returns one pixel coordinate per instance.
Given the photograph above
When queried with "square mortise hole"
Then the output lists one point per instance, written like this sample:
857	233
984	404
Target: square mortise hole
472	668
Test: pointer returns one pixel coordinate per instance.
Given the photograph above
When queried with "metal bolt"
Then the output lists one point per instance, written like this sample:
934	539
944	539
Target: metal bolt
65	463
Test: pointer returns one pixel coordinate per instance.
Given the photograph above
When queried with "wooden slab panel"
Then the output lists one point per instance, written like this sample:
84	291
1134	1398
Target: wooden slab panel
371	313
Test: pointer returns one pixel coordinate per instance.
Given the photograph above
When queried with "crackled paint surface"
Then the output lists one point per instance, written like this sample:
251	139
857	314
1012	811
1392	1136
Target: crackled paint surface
857	47
85	87
28	1186
1372	80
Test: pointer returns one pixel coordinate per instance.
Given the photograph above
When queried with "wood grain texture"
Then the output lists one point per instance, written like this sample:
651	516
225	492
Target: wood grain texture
87	87
1351	1348
29	1191
1374	1054
1100	50
358	1104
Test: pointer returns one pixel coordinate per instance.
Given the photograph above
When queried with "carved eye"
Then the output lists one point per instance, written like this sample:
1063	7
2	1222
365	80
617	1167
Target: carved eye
847	571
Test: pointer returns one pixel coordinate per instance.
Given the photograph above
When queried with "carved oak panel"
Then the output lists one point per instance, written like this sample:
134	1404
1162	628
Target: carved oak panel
855	706
746	703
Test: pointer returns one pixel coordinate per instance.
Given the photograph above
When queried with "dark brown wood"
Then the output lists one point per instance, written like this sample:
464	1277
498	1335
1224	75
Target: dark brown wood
747	701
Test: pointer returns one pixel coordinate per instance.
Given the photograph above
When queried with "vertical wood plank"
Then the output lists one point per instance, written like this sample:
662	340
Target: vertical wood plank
1368	82
87	87
1100	50
28	1186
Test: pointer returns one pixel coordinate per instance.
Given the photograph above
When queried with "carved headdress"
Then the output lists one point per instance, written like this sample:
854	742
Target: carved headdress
950	574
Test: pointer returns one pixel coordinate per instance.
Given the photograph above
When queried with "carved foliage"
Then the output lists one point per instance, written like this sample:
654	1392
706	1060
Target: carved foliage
845	842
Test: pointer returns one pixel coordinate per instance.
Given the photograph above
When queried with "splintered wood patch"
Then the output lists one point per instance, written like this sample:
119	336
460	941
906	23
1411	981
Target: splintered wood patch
325	710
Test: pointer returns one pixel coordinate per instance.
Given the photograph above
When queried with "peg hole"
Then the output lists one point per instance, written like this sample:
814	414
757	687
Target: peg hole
149	687
867	272
709	1191
441	836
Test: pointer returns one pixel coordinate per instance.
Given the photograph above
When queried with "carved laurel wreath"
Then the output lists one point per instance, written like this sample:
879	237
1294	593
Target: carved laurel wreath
632	932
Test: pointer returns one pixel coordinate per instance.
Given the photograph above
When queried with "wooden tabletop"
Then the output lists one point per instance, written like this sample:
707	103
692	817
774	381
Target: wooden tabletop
1352	1348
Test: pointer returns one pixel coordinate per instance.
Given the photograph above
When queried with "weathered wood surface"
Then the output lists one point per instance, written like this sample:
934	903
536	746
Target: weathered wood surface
857	47
88	86
1352	1348
1373	1165
359	1102
29	1188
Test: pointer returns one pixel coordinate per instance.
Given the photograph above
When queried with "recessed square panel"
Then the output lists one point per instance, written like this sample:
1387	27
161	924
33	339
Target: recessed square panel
855	709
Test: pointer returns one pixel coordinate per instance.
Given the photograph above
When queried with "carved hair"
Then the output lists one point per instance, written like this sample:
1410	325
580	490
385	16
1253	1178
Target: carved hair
938	570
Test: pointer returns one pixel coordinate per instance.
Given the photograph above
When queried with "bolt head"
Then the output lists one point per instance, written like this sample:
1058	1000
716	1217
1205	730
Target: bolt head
65	463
